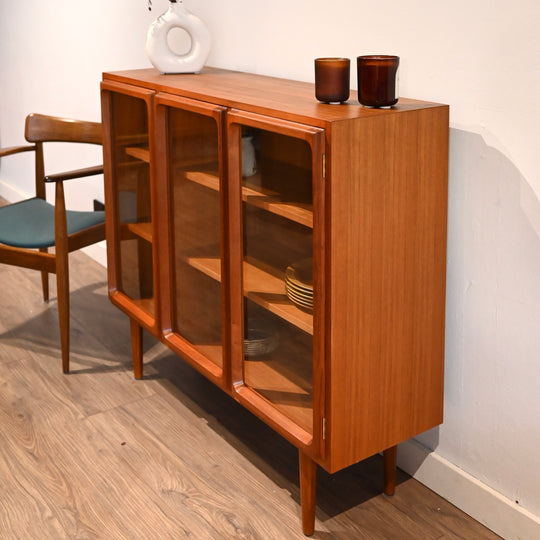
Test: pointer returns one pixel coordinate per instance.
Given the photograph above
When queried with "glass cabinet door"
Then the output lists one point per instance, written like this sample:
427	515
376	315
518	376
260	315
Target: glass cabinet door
280	165
131	198
196	305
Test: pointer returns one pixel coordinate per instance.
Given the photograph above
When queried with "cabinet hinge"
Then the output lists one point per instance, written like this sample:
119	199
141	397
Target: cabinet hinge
324	165
324	428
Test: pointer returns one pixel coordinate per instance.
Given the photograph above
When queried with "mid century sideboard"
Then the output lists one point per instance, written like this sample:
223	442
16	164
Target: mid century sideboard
312	291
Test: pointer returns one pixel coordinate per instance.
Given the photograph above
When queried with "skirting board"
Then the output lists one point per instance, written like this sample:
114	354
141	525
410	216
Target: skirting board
487	506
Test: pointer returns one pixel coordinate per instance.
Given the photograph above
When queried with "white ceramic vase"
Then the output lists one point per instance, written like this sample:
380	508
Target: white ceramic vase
158	50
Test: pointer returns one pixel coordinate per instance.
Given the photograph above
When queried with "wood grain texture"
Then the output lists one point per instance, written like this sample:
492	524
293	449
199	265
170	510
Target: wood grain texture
272	96
96	454
41	128
387	296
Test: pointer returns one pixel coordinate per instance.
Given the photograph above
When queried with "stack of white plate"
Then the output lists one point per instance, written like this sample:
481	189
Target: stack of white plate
299	283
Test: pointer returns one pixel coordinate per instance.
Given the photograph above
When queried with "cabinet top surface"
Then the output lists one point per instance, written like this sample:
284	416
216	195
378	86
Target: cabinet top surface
272	96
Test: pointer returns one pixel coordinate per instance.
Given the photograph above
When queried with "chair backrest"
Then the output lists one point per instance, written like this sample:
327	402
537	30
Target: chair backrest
42	128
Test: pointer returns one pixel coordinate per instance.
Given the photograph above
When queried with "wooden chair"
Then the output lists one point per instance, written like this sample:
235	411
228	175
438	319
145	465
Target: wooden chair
28	228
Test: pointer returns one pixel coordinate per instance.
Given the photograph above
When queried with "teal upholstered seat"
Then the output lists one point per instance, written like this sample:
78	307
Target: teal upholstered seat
30	223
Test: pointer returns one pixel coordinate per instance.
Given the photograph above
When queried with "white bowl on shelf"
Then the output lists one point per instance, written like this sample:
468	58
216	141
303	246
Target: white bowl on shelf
258	342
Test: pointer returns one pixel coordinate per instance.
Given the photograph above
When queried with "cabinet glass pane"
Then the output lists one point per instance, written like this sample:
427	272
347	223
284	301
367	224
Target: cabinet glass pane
277	213
132	186
195	191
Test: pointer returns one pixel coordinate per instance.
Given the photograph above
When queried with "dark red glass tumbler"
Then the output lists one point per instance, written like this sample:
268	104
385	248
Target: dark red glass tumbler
378	80
332	79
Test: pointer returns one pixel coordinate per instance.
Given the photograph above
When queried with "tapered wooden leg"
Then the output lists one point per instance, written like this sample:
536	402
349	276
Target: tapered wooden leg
61	247
390	460
308	485
62	287
136	349
45	280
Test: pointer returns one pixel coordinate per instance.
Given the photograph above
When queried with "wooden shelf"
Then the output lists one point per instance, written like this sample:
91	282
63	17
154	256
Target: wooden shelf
283	389
275	376
145	304
139	152
207	177
255	196
212	351
142	230
262	288
133	139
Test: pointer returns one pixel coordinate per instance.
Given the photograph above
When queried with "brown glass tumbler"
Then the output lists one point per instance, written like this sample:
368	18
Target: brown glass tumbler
332	79
378	80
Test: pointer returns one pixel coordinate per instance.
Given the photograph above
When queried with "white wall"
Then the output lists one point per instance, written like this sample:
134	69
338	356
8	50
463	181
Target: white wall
482	57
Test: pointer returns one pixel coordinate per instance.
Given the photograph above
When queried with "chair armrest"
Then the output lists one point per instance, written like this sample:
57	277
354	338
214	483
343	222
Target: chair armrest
78	173
8	151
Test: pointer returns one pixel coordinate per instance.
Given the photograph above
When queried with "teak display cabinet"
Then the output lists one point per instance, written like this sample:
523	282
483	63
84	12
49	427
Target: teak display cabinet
344	358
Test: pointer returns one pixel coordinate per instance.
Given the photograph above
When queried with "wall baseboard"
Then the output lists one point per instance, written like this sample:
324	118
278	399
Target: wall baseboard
484	504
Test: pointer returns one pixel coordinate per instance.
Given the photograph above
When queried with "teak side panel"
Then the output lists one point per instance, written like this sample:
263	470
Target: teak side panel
387	293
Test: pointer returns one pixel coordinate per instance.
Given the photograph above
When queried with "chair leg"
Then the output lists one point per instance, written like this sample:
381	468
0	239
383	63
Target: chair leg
45	280
62	271
62	285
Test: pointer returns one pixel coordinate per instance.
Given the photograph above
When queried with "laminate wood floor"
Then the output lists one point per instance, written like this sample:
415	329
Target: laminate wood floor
97	454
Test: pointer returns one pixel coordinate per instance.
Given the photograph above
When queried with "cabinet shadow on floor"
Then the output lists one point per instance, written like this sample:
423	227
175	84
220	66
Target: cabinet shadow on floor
268	451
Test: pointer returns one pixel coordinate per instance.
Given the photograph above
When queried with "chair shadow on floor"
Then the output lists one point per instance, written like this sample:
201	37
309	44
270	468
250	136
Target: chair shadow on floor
99	332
